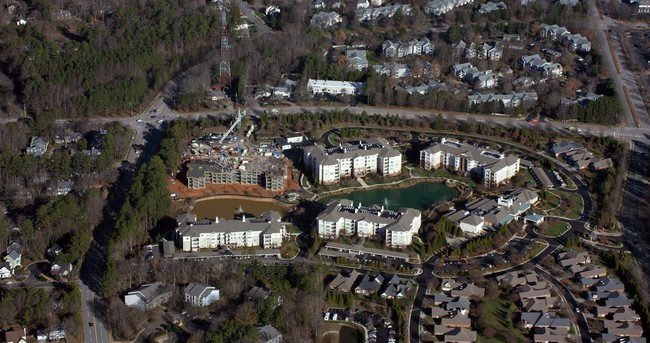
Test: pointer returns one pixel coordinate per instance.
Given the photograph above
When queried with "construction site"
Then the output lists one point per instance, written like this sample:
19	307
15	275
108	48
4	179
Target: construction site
231	161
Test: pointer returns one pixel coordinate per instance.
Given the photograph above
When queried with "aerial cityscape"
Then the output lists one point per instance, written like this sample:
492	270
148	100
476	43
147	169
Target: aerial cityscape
335	171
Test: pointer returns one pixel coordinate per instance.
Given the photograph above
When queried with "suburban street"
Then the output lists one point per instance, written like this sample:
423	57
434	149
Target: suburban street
92	313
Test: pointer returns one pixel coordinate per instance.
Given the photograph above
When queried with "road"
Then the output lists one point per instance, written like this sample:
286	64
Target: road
249	12
92	312
625	77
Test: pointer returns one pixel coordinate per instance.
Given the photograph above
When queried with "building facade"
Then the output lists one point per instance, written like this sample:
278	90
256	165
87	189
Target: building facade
395	228
270	174
266	232
493	167
373	156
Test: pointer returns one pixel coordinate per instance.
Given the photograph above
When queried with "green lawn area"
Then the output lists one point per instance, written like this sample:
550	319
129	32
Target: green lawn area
571	206
552	201
448	175
289	249
496	310
293	229
530	180
556	228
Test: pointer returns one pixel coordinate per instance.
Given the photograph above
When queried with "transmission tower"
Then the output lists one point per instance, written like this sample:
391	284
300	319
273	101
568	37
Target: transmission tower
224	65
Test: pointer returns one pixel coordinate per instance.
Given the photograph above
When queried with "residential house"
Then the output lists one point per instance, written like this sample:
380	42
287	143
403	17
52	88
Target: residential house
14	258
342	217
548	335
37	146
513	279
284	89
507	100
395	288
13	246
344	282
370	284
357	59
447	285
589	97
257	294
458	303
490	6
490	50
148	296
592	271
481	79
553	32
61	188
401	49
325	20
559	33
269	334
377	13
544	319
68	137
494	167
579	158
372	156
454	334
439	7
391	69
18	335
267	232
200	295
457	319
462	69
5	270
538	304
622	329
60	269
362	4
423	88
468	290
542	67
617	299
213	95
334	87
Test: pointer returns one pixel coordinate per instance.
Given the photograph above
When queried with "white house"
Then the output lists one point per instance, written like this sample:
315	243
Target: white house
266	232
200	295
14	258
508	100
325	19
334	87
413	47
342	217
373	156
439	7
5	270
357	59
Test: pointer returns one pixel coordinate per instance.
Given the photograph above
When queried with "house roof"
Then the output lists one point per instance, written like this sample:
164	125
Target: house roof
15	335
345	282
148	292
268	333
268	223
198	290
468	290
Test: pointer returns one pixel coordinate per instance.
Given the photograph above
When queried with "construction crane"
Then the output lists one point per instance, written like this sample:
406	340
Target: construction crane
240	115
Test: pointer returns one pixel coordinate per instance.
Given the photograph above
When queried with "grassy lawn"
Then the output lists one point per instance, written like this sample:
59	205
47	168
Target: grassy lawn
571	206
448	175
530	180
293	229
552	201
289	249
556	228
496	310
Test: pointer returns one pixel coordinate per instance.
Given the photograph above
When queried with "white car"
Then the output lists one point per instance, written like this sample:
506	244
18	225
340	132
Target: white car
335	316
327	316
139	120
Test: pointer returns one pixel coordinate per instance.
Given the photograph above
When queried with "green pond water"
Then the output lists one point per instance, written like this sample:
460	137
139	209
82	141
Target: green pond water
418	196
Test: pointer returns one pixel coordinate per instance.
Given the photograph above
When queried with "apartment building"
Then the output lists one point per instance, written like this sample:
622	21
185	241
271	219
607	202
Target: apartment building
494	167
334	87
270	173
412	47
373	156
266	232
395	228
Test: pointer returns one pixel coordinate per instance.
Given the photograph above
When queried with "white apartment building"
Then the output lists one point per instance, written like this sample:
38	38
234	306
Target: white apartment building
373	156
492	166
267	232
334	87
395	228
